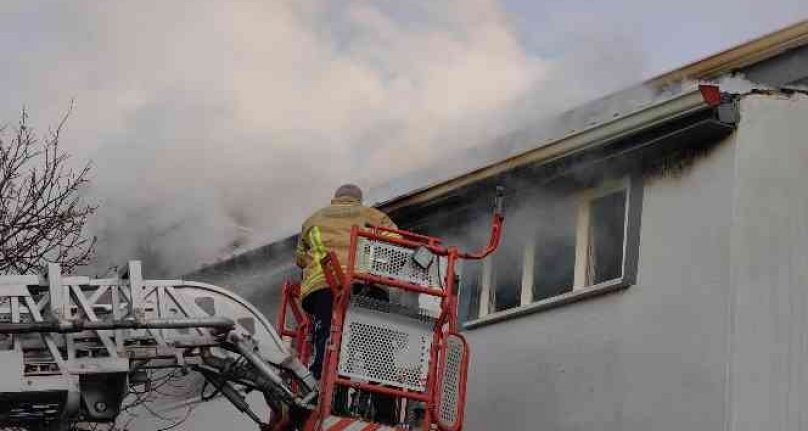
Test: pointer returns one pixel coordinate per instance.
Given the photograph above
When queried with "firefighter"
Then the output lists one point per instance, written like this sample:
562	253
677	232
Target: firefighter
329	229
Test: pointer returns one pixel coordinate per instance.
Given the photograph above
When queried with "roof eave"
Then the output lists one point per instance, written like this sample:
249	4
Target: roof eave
685	103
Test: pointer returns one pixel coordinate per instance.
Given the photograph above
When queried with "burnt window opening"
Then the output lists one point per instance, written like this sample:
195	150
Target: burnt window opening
466	227
606	237
561	240
505	273
471	273
554	252
560	237
507	277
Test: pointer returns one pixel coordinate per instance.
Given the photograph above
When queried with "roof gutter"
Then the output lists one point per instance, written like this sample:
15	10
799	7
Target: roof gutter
692	100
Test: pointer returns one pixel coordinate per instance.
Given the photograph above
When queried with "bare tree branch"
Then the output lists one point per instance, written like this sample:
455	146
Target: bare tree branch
42	214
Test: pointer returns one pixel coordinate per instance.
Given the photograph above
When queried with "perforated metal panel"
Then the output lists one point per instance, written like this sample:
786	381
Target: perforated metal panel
389	260
383	347
450	388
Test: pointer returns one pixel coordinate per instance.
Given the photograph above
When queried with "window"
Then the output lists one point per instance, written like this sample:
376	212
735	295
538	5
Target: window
506	272
470	282
606	237
552	254
561	247
466	232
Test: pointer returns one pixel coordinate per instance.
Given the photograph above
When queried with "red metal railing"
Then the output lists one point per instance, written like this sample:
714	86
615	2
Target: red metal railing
340	282
463	378
290	300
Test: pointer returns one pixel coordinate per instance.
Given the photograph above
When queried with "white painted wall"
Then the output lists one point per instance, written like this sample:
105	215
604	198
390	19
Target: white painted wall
769	337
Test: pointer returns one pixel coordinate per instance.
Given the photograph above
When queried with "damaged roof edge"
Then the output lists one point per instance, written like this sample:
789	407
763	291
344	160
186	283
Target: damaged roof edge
693	99
687	102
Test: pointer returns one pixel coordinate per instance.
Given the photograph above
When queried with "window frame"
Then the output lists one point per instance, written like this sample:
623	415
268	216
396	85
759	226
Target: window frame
580	290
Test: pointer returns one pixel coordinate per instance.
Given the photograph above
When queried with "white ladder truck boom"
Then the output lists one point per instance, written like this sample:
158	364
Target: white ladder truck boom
69	346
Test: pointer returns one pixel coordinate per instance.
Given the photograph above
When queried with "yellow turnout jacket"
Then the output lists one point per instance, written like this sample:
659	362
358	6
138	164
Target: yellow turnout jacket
329	229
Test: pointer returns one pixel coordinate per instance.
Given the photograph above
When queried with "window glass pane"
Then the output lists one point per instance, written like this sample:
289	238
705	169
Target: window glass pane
554	258
469	293
468	234
607	232
507	270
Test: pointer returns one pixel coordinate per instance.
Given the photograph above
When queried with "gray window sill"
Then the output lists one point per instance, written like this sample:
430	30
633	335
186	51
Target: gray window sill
550	303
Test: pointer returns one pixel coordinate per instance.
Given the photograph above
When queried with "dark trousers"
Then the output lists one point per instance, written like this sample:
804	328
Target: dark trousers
319	306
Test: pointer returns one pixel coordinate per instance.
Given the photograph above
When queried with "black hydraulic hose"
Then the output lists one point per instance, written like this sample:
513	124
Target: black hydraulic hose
264	370
231	394
221	323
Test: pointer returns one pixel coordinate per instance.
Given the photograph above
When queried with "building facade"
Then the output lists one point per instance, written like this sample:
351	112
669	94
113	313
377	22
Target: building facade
654	266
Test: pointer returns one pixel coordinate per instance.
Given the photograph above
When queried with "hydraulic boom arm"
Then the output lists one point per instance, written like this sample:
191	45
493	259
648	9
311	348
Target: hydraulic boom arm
71	346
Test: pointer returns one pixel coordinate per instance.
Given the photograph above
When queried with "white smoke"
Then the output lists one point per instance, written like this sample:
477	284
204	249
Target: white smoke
216	126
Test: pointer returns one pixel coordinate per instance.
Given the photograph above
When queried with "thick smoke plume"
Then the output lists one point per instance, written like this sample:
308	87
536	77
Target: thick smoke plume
215	127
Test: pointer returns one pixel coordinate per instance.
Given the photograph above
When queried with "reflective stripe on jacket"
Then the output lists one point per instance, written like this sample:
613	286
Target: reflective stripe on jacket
329	229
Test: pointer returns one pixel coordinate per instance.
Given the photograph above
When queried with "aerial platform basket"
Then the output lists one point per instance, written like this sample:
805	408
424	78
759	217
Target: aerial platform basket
406	349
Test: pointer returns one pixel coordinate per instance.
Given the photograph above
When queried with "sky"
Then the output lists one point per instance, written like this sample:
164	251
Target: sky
214	126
